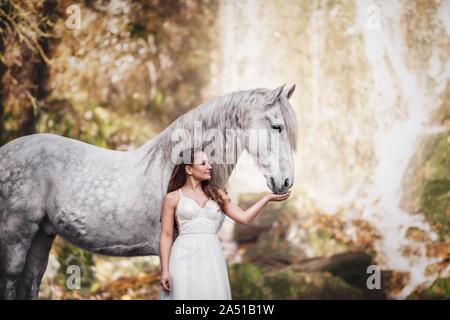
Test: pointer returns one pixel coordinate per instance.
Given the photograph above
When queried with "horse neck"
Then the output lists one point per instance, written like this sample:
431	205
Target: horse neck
222	113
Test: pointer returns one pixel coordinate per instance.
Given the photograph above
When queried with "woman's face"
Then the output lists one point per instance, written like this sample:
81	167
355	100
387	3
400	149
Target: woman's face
200	169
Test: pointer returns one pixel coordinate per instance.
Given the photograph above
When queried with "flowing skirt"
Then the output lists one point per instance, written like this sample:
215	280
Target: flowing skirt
197	269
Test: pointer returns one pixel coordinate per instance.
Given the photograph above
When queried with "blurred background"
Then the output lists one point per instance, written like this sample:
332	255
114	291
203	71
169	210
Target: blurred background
373	105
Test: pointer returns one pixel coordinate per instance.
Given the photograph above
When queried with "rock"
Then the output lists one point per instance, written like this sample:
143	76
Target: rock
352	267
438	250
436	199
267	254
263	222
393	282
248	281
289	284
342	276
325	244
326	235
439	289
416	234
427	180
426	183
436	268
273	248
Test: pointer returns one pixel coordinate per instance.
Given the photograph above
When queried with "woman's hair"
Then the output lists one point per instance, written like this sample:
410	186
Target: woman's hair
178	179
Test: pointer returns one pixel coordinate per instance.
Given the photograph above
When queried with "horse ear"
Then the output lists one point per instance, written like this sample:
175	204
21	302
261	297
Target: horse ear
289	91
274	95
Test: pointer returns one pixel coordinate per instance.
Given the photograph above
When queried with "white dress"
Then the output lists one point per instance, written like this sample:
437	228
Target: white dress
197	265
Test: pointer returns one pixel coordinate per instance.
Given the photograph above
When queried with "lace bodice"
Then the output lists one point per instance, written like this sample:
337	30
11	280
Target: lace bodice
194	219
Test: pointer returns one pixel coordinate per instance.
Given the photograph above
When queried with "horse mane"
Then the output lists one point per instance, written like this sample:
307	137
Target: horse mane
223	112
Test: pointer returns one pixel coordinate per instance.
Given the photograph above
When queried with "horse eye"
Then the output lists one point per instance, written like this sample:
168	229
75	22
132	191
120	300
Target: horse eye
276	127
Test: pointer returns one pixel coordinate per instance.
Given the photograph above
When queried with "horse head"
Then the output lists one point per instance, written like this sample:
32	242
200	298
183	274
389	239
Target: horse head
273	122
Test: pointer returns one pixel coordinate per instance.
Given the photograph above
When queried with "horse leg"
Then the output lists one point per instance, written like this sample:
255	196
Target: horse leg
15	241
35	265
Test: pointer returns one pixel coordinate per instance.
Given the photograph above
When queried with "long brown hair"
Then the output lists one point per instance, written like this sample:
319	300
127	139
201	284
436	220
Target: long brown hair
178	179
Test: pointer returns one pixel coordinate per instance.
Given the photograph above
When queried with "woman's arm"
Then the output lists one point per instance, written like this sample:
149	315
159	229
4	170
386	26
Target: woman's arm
245	216
166	237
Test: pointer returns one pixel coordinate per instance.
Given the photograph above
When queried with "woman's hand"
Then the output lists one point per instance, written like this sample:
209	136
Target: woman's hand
165	281
278	197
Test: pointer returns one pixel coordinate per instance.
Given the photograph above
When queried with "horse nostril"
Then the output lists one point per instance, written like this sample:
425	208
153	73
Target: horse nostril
286	183
272	181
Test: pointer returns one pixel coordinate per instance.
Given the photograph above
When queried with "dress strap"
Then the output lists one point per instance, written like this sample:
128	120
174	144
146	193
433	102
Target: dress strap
179	191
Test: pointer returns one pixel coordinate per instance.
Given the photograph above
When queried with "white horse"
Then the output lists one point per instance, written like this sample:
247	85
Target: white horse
108	201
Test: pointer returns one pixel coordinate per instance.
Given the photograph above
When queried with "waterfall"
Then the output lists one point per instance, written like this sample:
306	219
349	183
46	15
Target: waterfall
362	103
395	141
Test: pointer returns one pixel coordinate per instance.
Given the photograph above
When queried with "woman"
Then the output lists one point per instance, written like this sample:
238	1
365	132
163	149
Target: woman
195	266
